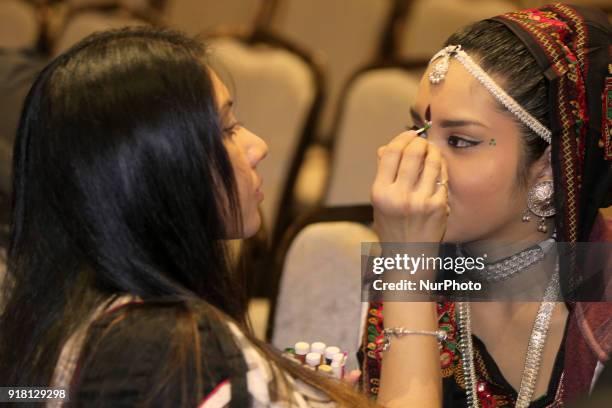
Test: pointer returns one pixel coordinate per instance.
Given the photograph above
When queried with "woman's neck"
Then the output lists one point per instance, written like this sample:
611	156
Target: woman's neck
527	285
497	248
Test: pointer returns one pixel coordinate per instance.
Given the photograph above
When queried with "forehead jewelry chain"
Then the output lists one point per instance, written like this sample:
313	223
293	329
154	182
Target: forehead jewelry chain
440	69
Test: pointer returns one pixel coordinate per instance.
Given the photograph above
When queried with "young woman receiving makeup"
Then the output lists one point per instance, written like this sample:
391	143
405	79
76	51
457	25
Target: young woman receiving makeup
518	154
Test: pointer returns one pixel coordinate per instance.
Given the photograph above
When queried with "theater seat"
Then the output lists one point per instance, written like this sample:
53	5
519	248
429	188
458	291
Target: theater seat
128	5
202	16
320	290
275	92
19	28
18	69
6	158
376	108
346	35
430	23
85	23
2	264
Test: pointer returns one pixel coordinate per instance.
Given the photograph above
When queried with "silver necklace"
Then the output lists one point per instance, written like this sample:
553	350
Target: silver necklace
506	268
533	358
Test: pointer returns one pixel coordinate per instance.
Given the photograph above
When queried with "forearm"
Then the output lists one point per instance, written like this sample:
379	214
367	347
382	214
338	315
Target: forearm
410	200
410	375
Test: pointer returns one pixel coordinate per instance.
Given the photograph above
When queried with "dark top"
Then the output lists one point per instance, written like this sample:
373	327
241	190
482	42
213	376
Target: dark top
495	390
502	394
148	355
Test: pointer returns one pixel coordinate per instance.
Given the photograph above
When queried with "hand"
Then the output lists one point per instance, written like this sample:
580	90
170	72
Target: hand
409	194
352	377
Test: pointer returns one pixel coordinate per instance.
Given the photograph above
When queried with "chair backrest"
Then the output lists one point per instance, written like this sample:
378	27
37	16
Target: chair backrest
317	271
19	28
83	24
4	235
6	158
320	292
201	16
275	91
4	219
82	4
344	35
2	264
376	108
17	73
132	5
430	23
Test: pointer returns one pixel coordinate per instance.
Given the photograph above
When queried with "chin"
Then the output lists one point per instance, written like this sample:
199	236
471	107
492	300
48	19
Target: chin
251	228
456	235
450	234
449	239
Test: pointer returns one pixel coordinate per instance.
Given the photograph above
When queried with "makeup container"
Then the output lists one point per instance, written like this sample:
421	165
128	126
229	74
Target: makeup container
313	359
330	352
336	370
318	347
325	369
301	349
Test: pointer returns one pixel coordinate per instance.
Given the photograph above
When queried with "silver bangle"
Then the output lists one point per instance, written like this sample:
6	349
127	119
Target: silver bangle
399	332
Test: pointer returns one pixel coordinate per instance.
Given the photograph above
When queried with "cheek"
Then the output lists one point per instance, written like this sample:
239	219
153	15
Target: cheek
481	192
248	203
241	174
473	182
241	170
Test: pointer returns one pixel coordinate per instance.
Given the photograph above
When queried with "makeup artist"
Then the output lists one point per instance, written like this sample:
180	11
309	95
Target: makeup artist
131	172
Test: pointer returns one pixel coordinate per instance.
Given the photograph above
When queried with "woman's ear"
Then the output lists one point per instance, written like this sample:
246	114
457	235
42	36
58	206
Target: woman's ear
542	168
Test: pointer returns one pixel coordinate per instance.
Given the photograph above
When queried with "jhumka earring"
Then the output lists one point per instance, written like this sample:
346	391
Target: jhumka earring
540	203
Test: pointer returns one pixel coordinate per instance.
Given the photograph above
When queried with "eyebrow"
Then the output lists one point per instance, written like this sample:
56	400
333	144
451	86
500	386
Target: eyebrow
446	123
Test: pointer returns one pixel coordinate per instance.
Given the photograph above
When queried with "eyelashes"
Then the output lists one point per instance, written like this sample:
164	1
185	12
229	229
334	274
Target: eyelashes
456	142
231	130
460	142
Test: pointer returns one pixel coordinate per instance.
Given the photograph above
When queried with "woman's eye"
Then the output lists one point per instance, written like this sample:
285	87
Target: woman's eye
460	142
231	130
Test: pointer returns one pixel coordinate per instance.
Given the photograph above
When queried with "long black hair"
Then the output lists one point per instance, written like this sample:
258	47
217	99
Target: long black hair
122	185
119	167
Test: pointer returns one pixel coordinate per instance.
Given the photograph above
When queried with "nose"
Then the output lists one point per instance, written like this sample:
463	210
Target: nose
257	151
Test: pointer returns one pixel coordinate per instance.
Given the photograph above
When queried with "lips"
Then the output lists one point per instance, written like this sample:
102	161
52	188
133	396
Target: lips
259	195
258	191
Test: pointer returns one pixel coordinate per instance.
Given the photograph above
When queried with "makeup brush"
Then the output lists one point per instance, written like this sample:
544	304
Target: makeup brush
422	131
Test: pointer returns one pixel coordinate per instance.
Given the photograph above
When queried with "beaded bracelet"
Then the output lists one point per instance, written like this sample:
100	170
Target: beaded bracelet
440	335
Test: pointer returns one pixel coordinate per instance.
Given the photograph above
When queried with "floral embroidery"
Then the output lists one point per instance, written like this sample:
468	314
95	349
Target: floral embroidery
486	398
450	358
373	337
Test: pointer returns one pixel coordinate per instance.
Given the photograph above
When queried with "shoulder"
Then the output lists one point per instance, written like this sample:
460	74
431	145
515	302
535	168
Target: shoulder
171	350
